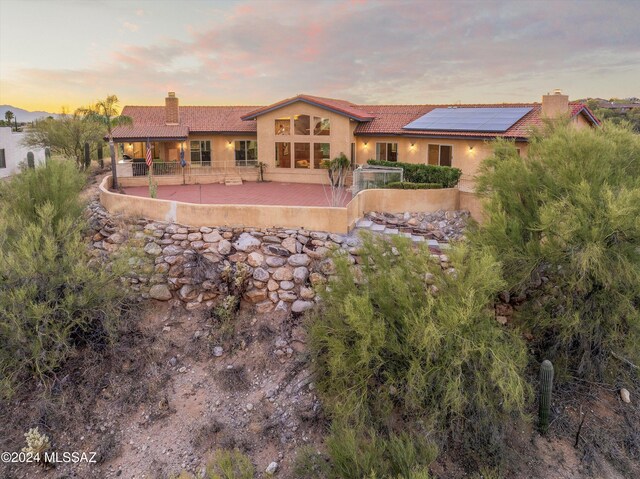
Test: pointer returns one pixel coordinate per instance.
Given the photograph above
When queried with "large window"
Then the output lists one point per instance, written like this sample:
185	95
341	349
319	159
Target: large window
283	155
302	155
246	152
301	124
201	153
321	152
440	155
3	160
387	151
322	126
283	126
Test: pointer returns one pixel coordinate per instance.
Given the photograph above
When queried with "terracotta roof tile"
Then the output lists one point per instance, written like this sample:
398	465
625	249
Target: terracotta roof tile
379	120
340	106
390	120
149	121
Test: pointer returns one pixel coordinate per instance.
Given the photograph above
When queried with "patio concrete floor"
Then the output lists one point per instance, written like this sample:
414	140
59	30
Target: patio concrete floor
249	193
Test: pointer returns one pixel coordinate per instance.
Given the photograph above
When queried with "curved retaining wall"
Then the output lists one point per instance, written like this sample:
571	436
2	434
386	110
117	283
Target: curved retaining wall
313	218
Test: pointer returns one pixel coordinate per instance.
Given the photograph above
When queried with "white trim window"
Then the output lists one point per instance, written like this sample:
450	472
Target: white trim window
387	151
246	152
200	152
439	155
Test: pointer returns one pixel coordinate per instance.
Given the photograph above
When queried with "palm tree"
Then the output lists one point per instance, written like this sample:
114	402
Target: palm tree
106	112
8	116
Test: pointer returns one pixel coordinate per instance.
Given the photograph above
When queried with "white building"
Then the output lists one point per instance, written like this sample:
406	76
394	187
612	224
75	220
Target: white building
12	153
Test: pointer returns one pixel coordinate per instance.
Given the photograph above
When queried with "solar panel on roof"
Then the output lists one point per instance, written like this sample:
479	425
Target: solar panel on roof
469	119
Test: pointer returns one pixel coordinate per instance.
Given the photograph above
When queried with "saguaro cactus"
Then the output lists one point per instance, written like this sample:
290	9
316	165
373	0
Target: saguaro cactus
87	155
546	387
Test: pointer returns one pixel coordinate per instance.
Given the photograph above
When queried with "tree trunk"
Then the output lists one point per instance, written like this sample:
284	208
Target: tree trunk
114	174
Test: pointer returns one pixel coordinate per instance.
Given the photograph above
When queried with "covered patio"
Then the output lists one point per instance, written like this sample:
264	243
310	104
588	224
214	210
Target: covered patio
249	193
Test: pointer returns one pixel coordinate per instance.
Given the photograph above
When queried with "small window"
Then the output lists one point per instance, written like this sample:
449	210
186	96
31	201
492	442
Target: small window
322	126
303	155
246	152
387	151
283	155
441	155
301	124
283	126
353	155
321	152
3	161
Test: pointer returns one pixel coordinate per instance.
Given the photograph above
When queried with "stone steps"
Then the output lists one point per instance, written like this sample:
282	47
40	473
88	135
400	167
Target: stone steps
233	181
364	224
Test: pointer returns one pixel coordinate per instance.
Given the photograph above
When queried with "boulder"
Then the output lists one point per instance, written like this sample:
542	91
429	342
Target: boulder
275	261
224	247
152	249
211	237
299	260
247	243
285	273
299	306
300	274
260	274
160	292
290	245
255	259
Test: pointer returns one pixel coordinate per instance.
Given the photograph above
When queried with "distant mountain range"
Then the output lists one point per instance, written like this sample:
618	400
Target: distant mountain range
24	115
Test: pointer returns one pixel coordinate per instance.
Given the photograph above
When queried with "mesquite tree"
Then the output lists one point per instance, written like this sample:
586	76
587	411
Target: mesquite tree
564	223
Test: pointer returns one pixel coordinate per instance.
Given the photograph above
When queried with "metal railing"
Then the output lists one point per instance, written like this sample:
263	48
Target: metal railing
173	168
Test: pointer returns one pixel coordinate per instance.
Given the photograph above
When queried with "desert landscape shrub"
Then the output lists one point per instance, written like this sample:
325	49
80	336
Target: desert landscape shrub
357	454
51	298
58	183
407	346
565	220
446	176
227	464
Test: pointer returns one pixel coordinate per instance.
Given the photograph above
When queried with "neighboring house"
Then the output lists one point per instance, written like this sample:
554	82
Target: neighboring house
12	153
295	135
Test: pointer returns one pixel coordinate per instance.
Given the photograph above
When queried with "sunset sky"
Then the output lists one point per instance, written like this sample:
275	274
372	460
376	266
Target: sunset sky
63	53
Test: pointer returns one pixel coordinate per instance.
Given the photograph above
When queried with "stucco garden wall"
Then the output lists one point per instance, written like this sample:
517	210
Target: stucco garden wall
333	220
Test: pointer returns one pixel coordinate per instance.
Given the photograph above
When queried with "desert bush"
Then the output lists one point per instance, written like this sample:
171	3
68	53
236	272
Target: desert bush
407	185
446	176
51	298
229	465
410	344
58	183
357	454
565	220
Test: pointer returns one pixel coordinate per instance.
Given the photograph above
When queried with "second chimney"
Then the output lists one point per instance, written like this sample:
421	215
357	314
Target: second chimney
555	105
171	112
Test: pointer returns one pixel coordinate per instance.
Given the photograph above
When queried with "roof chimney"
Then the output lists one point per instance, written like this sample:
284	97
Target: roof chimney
555	105
171	112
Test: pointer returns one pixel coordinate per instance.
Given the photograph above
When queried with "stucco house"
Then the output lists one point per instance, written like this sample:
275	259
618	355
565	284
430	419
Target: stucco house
293	136
13	153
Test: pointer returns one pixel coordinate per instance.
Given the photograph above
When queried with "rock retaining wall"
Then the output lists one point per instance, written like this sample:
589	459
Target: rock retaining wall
272	269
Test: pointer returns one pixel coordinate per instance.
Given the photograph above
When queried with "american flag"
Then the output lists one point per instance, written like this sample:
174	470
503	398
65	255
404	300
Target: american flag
149	158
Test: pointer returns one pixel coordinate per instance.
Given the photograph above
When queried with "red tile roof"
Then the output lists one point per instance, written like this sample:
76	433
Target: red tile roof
149	121
378	120
390	120
339	106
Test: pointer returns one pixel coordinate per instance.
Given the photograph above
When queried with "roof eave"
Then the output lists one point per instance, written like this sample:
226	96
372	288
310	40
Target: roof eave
444	136
256	114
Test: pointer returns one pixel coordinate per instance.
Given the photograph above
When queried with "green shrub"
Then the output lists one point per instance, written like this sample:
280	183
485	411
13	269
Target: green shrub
406	185
230	465
419	173
353	454
58	183
51	299
568	215
390	346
